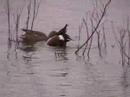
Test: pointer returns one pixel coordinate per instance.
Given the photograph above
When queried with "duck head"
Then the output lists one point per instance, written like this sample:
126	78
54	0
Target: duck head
60	38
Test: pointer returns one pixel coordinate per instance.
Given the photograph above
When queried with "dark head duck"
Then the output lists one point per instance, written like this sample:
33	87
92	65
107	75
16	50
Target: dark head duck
59	38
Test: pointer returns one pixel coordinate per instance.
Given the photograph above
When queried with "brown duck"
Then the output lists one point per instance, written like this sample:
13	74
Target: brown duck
59	38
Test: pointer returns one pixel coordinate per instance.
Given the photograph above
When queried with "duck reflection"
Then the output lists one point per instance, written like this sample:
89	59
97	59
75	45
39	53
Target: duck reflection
28	48
60	54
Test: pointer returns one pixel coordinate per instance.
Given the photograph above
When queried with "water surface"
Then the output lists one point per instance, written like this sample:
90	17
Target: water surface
43	71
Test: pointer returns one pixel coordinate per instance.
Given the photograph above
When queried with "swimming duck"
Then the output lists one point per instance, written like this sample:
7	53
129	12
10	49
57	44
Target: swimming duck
59	38
31	36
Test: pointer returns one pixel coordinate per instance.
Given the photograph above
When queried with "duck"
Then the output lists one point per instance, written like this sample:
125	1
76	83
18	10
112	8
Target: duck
55	38
31	36
59	38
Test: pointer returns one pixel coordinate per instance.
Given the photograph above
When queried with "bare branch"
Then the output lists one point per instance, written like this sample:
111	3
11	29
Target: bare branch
29	12
36	6
98	42
8	14
79	33
96	27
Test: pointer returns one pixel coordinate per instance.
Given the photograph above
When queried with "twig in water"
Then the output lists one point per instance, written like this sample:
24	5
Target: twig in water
96	27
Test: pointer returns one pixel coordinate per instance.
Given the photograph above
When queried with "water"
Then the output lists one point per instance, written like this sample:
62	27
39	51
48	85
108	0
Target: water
44	71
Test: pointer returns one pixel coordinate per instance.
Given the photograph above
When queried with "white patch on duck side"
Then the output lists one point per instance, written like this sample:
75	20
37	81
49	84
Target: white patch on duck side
61	37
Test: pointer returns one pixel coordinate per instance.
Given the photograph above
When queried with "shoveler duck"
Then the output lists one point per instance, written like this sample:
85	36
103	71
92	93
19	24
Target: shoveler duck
59	38
31	36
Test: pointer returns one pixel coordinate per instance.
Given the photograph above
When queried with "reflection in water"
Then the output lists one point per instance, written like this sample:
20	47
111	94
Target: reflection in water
28	58
60	77
12	48
126	82
21	76
60	54
27	48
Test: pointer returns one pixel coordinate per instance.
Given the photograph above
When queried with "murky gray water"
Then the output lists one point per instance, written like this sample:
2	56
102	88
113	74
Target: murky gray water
45	71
